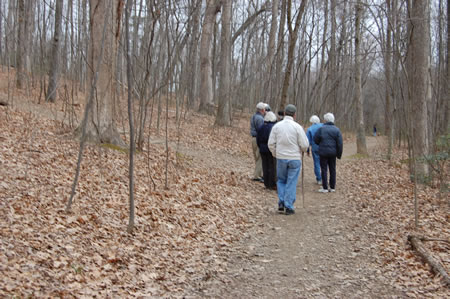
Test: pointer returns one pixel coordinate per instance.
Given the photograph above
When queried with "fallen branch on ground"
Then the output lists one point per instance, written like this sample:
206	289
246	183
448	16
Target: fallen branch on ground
436	266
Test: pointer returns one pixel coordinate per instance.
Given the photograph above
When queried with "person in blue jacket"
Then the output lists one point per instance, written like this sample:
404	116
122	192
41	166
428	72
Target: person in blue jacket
329	139
268	161
314	147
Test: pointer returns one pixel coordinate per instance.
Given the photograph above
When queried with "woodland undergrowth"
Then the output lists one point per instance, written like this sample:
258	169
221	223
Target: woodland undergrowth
381	197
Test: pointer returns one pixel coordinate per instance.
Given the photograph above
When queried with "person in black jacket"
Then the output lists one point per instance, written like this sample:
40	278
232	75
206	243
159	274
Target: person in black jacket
268	161
329	139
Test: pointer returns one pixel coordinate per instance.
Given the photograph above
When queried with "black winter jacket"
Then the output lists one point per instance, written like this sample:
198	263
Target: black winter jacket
329	139
263	136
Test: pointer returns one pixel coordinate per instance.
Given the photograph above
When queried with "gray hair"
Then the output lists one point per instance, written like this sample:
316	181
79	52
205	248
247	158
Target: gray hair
314	119
329	117
270	117
260	106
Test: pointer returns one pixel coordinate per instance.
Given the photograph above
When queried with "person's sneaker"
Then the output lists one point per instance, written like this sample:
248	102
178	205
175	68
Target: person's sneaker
319	182
332	190
289	211
281	209
321	190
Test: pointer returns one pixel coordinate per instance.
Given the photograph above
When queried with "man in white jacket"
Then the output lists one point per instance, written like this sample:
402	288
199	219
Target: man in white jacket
287	141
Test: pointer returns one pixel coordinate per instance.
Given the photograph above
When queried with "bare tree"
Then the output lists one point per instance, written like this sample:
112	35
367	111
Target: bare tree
21	45
361	147
447	90
192	53
418	84
293	34
206	82
224	115
130	118
270	65
56	54
101	125
387	71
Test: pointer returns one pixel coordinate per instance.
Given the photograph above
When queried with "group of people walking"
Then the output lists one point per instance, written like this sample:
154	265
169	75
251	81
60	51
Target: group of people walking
278	147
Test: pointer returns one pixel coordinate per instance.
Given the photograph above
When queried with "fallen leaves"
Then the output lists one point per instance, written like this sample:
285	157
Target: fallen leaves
182	234
381	197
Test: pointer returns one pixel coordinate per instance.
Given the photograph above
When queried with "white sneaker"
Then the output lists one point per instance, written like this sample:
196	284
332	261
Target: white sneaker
332	190
319	182
321	190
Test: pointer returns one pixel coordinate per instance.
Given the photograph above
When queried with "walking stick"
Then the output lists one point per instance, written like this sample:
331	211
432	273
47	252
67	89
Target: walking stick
303	175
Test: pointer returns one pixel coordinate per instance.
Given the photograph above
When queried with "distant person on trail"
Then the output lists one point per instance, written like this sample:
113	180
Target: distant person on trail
375	130
329	139
268	161
256	122
314	147
287	141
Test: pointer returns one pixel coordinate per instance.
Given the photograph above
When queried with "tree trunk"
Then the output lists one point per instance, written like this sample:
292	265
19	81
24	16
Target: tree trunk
223	117
130	119
387	71
270	98
101	125
206	86
361	147
192	55
418	72
332	65
276	90
293	34
55	58
446	107
21	44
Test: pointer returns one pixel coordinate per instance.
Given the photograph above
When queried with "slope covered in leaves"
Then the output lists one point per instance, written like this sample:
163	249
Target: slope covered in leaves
183	232
381	197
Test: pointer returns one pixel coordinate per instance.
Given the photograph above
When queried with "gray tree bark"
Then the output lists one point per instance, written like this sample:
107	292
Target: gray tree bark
101	124
270	62
56	54
293	34
21	44
387	71
206	81
224	115
361	147
418	70
130	119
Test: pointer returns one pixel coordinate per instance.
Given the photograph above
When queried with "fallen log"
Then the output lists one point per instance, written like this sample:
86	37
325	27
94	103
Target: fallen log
436	266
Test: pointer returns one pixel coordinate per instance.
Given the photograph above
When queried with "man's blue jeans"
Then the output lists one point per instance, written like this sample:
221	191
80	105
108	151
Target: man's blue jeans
316	159
287	175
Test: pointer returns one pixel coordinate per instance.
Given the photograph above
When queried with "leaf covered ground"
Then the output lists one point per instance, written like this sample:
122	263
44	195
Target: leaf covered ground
187	234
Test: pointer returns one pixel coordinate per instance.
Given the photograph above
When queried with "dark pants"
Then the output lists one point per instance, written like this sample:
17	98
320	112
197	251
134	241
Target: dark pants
325	163
268	166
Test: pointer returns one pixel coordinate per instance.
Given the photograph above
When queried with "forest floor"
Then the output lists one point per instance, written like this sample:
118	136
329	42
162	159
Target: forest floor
208	230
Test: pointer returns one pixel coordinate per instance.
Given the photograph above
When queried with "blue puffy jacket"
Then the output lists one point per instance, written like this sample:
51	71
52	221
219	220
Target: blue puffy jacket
329	139
262	138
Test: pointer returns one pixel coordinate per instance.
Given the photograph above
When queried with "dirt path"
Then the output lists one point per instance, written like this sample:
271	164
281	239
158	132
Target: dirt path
318	252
